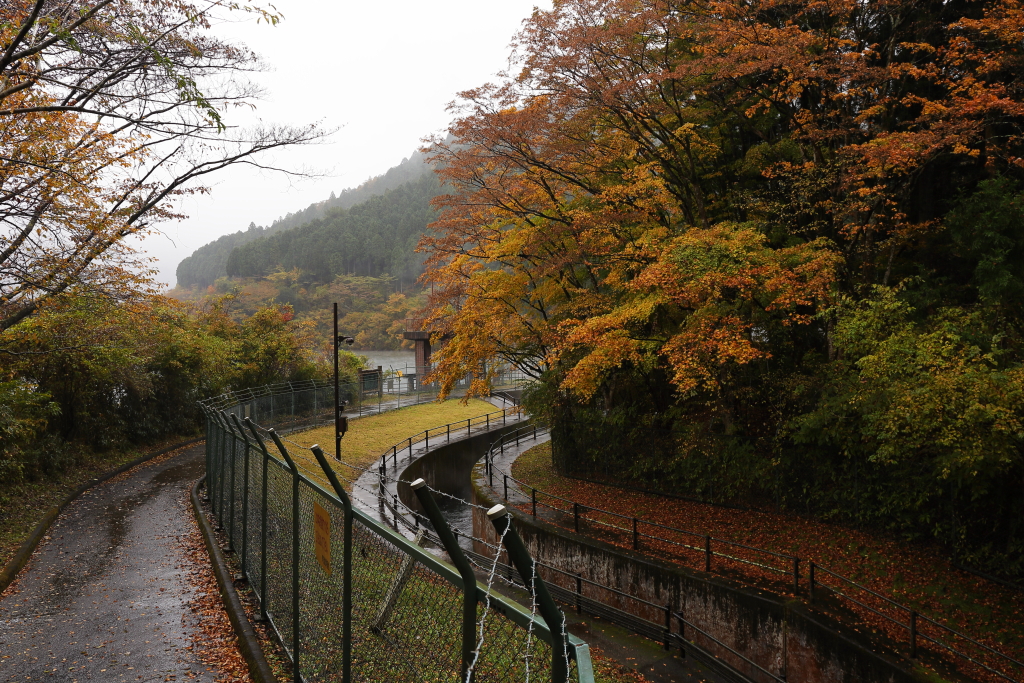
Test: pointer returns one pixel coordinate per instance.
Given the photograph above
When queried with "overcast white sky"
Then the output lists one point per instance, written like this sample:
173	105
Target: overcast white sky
381	71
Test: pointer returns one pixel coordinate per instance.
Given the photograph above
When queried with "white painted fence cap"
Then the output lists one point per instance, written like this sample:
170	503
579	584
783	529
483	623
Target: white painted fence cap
418	484
496	511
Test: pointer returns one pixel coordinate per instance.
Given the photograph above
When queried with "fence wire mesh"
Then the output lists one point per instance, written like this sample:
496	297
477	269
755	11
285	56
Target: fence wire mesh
406	620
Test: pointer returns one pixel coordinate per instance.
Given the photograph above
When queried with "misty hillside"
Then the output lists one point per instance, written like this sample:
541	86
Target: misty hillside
209	262
373	238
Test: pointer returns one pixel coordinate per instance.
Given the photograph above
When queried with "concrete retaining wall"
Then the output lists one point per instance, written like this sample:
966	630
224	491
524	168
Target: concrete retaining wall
787	638
446	468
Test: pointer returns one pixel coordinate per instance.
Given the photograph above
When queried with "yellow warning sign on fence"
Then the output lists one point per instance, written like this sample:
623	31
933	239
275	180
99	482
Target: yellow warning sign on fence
322	537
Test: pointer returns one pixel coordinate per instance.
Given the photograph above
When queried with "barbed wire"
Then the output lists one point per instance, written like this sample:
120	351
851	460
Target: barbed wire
533	616
487	608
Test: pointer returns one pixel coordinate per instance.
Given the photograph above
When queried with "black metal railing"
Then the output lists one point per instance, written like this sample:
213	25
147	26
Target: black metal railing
643	535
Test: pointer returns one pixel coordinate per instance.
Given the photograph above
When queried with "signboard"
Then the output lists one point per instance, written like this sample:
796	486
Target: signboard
322	537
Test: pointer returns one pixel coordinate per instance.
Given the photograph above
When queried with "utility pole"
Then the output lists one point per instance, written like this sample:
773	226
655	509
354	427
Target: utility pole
337	395
340	421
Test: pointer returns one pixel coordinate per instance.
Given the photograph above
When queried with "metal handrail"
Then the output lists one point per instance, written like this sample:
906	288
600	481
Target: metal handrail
577	509
424	435
566	596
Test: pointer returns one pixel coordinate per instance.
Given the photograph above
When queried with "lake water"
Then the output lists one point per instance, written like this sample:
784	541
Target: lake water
389	359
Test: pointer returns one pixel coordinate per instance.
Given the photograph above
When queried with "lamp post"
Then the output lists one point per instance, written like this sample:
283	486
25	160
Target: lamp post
340	422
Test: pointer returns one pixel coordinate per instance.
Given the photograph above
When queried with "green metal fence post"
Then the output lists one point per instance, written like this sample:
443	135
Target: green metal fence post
211	481
208	451
296	622
519	556
469	590
245	493
223	441
231	485
346	586
263	521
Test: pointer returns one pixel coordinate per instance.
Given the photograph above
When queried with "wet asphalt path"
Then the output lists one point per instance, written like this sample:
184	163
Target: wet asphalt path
105	597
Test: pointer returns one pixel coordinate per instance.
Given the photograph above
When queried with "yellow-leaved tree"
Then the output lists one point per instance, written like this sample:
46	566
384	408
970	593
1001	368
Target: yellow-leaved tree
109	111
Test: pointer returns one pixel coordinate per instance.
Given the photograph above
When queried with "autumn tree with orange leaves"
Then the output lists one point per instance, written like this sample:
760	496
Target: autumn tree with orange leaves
110	111
738	243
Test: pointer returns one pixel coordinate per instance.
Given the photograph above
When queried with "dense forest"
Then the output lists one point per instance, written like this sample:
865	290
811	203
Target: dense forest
209	262
369	308
765	253
105	130
358	249
378	236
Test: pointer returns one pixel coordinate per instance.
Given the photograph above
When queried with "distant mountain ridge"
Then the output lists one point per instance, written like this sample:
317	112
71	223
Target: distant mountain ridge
209	262
374	238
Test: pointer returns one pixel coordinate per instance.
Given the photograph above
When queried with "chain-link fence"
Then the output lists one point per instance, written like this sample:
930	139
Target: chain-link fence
291	406
350	599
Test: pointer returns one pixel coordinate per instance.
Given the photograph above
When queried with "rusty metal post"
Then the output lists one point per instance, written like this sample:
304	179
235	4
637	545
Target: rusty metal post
668	627
913	634
579	593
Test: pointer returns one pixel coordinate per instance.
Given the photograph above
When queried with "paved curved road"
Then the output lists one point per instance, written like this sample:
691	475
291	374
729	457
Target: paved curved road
106	595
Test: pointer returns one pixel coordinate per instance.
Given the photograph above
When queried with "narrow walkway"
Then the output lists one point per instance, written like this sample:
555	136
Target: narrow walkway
633	653
365	492
105	597
506	456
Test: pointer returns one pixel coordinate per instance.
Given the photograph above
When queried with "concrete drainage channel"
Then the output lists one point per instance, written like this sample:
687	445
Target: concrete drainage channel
741	634
448	469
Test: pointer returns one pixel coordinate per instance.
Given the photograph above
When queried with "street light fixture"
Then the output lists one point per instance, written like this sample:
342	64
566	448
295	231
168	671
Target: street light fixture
340	421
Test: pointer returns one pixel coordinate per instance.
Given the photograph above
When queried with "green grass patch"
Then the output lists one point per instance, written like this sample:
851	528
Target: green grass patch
368	437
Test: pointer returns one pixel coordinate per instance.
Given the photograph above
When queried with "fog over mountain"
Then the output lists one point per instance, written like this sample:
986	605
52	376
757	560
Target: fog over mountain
209	262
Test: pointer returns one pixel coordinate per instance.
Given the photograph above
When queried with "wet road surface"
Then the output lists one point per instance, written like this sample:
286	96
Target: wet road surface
106	594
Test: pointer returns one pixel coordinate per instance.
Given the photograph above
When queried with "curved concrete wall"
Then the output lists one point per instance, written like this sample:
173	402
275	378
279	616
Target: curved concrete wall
785	637
446	468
